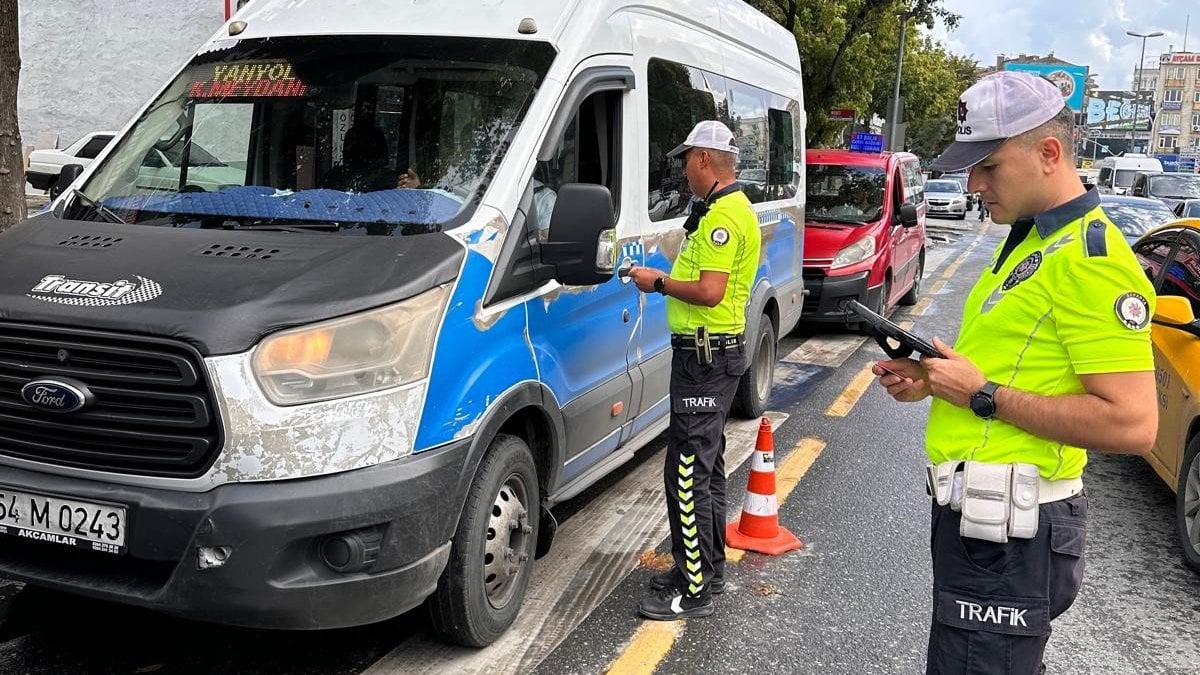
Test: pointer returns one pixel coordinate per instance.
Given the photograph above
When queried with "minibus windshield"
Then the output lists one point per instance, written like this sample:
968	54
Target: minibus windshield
354	135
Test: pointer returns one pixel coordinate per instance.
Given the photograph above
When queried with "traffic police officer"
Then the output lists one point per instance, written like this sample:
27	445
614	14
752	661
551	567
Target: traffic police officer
1053	357
707	292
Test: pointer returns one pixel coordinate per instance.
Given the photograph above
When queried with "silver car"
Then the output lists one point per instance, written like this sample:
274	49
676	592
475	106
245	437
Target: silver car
945	197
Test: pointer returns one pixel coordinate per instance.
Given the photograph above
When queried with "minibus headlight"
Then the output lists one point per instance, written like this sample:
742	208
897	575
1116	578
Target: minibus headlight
854	253
352	355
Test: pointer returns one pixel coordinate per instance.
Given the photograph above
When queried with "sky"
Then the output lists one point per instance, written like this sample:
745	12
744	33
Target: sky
1084	33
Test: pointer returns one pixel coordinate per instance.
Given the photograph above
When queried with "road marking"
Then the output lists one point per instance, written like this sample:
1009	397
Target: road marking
649	646
937	286
796	465
593	552
825	350
922	306
844	403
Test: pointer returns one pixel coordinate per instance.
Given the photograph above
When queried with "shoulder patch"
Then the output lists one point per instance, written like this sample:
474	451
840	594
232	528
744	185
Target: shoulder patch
1096	244
1023	270
720	236
1133	310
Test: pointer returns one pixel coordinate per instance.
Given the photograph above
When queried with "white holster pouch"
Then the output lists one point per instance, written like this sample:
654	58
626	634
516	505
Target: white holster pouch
997	501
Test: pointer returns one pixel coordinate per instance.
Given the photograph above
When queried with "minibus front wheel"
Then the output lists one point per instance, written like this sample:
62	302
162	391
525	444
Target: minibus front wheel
483	585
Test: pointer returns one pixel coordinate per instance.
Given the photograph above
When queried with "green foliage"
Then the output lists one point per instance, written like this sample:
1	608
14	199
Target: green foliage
848	48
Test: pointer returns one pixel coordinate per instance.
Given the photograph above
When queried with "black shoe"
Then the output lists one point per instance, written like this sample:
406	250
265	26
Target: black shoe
672	605
671	579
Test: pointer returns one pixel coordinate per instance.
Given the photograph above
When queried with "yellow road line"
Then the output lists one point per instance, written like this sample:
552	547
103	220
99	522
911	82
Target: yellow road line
787	476
937	286
649	646
845	401
951	269
922	306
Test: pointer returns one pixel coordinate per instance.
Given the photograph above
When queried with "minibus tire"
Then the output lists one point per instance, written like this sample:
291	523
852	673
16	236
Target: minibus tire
464	609
1188	493
755	388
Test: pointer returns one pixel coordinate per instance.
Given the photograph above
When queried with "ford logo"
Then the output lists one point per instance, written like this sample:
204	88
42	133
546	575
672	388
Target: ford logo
57	395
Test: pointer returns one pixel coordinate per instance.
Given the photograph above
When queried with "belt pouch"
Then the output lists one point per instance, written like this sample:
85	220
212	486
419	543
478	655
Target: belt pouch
939	479
986	501
1023	522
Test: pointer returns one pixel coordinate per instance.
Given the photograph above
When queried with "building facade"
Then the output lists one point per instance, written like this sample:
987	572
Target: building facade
89	65
1177	96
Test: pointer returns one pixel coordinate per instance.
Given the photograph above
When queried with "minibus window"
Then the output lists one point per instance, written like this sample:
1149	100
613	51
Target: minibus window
354	135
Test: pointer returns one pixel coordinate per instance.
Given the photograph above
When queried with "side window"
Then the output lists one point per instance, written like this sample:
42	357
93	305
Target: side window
93	147
781	179
1153	253
1105	177
914	183
215	151
748	107
1183	271
679	97
589	151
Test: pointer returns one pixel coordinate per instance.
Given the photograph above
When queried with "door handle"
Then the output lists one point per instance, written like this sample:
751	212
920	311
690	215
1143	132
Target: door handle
623	270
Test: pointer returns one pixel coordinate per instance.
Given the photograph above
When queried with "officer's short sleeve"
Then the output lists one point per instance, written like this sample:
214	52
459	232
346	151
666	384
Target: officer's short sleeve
717	243
1102	311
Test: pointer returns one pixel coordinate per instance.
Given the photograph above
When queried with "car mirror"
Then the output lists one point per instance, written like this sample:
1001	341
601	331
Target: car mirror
1173	310
581	246
908	215
66	176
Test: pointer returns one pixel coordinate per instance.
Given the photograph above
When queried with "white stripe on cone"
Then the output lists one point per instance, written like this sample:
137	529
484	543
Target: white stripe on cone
763	461
760	505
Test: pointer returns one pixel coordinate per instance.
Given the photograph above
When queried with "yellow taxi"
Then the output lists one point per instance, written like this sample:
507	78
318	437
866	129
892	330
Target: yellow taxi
1171	257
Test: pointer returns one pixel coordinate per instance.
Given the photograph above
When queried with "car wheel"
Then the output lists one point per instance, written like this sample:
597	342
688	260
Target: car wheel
914	292
755	388
483	585
1187	504
880	308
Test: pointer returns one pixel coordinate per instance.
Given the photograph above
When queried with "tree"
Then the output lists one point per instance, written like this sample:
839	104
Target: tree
12	161
847	47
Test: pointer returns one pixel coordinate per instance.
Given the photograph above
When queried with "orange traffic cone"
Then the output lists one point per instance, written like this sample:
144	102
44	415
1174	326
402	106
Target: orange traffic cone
758	529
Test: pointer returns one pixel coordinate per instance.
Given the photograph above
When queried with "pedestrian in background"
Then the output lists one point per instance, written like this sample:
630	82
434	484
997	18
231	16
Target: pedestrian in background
707	291
1053	357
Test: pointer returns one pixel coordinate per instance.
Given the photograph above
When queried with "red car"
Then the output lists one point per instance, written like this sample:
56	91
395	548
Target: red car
864	231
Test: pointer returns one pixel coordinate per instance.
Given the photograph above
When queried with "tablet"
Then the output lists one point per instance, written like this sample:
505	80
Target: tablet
883	330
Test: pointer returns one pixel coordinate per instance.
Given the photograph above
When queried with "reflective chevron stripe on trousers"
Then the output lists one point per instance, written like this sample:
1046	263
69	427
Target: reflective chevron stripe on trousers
694	474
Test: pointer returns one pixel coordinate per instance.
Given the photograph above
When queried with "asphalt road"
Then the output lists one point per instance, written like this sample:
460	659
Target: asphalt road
854	600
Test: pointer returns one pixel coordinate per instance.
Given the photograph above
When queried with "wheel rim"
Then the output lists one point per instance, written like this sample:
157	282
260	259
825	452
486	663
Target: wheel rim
884	291
1191	504
504	554
916	285
764	365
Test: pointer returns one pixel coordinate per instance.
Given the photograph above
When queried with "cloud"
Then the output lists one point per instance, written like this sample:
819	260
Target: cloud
1085	33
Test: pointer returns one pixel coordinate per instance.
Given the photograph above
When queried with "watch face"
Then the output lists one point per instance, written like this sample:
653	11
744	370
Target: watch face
982	405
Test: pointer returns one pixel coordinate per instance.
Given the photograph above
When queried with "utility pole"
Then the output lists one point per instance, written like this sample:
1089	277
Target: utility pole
894	120
1137	108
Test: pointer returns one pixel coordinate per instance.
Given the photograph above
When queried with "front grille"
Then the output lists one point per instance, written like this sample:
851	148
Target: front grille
153	414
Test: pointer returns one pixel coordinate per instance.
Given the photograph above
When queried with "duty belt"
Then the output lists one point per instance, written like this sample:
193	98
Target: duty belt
716	341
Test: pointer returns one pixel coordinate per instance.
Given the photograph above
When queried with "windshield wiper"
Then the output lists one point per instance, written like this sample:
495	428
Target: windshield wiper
281	226
98	208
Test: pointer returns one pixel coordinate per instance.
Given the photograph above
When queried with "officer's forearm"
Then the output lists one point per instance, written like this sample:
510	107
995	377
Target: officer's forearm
706	291
1083	420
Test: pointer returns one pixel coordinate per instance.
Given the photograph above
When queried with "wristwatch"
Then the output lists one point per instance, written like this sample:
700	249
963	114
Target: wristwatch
983	402
660	285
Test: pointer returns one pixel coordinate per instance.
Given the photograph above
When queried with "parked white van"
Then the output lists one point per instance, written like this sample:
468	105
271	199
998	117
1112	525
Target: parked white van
1116	173
360	373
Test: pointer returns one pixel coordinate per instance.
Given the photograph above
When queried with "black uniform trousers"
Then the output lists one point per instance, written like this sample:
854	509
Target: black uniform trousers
694	471
993	603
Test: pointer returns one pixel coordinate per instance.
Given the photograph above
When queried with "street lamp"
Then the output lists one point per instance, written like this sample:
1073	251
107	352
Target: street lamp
895	116
1137	108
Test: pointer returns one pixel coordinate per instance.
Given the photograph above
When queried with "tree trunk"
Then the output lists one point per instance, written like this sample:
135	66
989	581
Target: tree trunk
12	159
790	20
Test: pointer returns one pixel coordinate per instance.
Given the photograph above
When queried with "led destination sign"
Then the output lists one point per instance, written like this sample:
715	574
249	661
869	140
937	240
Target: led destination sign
250	80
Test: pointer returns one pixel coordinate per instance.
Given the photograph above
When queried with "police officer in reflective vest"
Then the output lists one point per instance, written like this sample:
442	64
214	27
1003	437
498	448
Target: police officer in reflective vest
707	291
1053	356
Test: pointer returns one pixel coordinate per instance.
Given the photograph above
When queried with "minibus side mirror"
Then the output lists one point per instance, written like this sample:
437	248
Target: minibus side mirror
66	176
581	248
908	215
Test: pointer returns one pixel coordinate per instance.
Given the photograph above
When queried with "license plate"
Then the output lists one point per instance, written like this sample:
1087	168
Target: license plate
70	522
